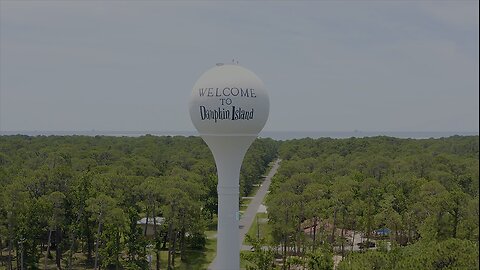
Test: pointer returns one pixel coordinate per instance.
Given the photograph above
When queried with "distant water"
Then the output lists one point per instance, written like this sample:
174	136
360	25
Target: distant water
277	135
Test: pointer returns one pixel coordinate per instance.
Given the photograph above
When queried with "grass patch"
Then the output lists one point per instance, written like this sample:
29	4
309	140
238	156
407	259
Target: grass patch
244	204
260	228
194	259
255	188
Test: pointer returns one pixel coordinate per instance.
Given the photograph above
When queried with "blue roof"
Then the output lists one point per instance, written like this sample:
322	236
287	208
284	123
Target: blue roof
383	231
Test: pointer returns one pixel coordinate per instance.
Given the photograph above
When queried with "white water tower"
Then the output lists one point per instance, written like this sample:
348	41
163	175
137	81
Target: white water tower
229	106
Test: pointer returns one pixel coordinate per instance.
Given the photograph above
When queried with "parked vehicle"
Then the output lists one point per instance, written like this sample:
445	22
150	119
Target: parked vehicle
366	244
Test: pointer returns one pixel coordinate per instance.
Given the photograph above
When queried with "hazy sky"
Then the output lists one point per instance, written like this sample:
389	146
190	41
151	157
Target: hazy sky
328	66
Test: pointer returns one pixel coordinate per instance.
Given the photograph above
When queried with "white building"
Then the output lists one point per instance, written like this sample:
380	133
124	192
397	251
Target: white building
150	226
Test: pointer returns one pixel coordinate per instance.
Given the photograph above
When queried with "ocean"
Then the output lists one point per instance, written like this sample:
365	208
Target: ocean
276	135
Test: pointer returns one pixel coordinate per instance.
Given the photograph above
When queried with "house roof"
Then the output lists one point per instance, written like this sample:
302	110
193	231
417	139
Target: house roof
143	221
383	231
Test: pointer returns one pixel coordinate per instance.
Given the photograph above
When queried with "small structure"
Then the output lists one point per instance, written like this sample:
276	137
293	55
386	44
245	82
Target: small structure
148	229
262	209
382	232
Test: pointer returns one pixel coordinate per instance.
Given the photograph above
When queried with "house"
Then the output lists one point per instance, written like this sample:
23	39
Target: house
142	223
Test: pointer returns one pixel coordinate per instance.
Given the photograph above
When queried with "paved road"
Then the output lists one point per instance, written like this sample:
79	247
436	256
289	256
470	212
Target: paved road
252	209
249	214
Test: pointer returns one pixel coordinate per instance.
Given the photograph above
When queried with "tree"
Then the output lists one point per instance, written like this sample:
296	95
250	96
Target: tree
115	225
320	259
261	257
317	203
99	207
152	196
134	241
54	201
15	204
283	215
389	217
341	201
369	193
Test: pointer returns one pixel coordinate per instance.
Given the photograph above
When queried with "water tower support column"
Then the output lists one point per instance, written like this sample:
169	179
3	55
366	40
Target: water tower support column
228	152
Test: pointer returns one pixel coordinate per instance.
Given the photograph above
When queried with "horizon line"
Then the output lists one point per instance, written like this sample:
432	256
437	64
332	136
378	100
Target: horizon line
195	131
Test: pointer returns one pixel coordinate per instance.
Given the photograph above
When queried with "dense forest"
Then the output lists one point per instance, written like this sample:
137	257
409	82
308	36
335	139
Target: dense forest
74	202
413	203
